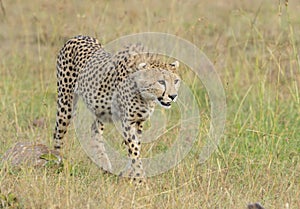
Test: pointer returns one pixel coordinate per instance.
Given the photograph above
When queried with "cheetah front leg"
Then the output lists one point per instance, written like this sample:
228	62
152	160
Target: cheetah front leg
97	146
132	140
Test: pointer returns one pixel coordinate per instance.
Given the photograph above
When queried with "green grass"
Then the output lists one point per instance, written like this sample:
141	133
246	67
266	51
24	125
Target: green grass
254	46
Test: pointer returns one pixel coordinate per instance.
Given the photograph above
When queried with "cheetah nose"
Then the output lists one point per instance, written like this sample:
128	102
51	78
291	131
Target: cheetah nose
173	97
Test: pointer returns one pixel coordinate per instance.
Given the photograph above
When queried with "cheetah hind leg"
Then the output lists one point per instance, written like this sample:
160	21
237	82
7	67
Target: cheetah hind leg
98	148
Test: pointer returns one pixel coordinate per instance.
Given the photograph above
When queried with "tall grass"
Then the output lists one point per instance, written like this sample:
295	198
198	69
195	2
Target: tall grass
255	49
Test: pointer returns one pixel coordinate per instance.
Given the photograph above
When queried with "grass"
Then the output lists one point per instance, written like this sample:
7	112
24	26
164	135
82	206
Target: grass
254	46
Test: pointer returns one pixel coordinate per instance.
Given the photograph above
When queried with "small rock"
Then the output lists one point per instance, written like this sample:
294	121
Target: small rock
256	205
32	154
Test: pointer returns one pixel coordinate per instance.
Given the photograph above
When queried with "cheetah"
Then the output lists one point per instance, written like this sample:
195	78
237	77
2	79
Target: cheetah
126	85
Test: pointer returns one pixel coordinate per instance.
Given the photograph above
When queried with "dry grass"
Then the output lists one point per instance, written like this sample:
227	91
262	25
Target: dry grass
255	48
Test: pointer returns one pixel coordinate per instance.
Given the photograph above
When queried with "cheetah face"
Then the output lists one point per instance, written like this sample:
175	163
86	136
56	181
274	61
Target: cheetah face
158	85
167	89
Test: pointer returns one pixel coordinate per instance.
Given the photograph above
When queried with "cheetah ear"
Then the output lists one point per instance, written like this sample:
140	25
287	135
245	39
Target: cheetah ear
175	64
142	65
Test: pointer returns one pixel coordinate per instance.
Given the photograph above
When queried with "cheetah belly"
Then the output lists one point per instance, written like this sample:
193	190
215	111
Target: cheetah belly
99	105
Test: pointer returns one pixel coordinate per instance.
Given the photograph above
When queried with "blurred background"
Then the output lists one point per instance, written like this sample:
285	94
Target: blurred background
254	46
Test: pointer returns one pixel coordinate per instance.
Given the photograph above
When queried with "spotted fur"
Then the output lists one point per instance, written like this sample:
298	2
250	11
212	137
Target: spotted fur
127	85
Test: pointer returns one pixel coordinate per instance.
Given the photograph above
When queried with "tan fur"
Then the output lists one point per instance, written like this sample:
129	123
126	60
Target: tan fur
127	84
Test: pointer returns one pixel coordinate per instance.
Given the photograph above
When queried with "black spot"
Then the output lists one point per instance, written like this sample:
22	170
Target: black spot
127	128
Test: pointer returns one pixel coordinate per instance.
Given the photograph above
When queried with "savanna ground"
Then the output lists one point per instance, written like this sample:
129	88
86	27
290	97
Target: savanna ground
254	46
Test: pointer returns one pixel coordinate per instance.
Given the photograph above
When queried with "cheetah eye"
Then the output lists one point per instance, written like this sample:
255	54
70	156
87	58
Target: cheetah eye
162	82
176	81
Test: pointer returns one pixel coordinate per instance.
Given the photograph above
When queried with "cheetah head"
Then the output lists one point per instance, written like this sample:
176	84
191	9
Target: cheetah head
158	84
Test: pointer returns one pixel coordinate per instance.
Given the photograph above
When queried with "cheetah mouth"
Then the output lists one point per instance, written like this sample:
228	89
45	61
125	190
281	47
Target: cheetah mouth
167	104
164	104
